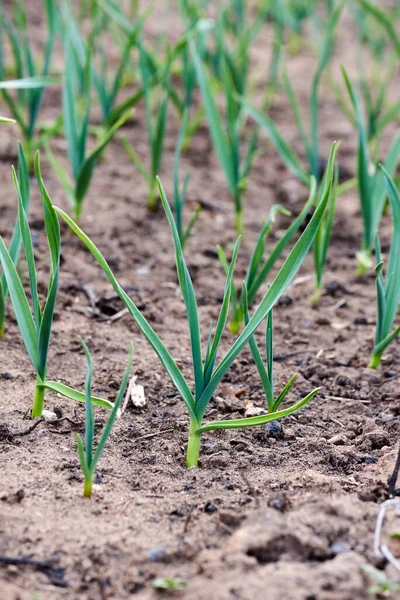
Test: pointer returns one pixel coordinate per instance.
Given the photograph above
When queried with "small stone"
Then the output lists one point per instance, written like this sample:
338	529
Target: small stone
274	430
143	271
157	554
387	417
255	411
361	321
285	301
338	440
279	502
339	548
323	321
49	416
210	507
390	373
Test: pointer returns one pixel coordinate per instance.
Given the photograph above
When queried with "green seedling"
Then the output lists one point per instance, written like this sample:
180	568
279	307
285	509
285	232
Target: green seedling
107	20
156	121
376	68
16	240
76	127
227	140
265	370
385	19
322	239
371	181
169	584
207	375
25	106
388	286
383	585
36	328
310	140
89	457
260	267
180	192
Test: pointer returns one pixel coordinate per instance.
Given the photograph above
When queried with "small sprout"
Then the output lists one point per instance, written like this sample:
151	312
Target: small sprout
16	240
156	121
372	190
169	584
31	80
76	126
388	286
383	585
207	376
259	268
35	324
87	457
265	371
233	70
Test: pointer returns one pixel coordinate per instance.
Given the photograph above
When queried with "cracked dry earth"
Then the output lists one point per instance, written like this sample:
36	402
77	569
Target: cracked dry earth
266	515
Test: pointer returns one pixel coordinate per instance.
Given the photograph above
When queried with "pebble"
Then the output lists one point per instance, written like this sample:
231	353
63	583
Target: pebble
255	411
338	440
49	416
339	548
210	508
157	554
274	430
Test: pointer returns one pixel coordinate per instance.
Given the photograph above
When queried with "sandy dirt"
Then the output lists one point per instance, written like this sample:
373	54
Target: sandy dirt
262	517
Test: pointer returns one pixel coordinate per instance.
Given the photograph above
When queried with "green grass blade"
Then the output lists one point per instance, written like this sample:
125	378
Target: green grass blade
29	254
225	265
220	140
285	151
60	172
257	421
7	120
71	129
82	457
222	318
393	271
284	392
165	358
28	83
278	287
384	20
89	411
281	244
262	371
54	242
381	347
15	244
20	304
113	415
86	171
131	152
75	395
189	297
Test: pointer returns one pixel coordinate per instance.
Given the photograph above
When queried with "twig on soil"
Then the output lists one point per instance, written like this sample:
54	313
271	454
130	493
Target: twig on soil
151	435
91	296
279	357
27	431
55	574
115	317
340	399
250	487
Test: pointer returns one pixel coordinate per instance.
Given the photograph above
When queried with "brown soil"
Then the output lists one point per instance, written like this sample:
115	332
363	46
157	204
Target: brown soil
261	517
